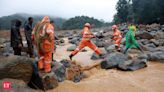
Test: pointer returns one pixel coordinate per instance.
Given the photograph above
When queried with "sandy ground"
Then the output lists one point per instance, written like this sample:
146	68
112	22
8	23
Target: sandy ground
150	79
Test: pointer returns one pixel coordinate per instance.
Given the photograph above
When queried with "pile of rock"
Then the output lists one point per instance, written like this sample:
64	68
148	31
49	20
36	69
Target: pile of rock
124	62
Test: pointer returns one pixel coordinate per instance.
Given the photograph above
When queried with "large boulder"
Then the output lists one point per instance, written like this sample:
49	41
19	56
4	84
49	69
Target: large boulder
59	70
110	48
95	56
42	80
23	68
132	65
145	35
16	67
16	86
135	61
156	56
130	62
66	69
74	72
113	60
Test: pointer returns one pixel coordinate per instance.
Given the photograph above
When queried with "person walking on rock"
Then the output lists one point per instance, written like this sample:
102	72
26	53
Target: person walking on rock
16	38
87	35
117	37
43	36
28	30
131	40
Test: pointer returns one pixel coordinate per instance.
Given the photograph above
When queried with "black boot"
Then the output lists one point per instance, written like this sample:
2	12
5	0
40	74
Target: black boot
70	56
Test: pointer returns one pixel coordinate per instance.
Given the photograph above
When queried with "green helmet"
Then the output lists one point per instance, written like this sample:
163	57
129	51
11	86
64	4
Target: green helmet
133	28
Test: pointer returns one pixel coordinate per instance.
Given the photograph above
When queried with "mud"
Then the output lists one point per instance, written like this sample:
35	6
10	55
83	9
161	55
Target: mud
150	79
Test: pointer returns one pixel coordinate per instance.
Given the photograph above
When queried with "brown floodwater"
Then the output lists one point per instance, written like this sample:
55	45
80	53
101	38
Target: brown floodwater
150	79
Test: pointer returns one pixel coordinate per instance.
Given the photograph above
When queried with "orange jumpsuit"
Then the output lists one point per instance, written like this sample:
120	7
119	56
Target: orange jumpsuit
86	41
117	37
44	44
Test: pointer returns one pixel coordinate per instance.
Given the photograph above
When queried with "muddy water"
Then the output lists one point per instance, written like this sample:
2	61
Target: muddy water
150	79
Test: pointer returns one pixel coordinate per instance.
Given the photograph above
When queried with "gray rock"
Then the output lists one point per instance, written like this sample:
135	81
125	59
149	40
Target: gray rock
132	65
16	86
145	35
99	42
156	56
16	67
66	63
75	40
143	56
159	35
113	60
95	56
71	48
151	45
2	40
59	70
99	35
144	41
110	49
62	41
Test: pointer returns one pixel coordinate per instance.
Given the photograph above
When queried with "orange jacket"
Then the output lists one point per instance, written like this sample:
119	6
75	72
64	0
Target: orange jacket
86	34
117	35
43	35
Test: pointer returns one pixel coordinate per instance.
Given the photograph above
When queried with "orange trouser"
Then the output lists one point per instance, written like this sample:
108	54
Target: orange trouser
85	43
45	58
118	42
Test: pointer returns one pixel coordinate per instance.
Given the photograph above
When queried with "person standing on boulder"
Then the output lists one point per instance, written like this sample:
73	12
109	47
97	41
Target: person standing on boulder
16	38
28	30
87	35
43	36
131	40
117	37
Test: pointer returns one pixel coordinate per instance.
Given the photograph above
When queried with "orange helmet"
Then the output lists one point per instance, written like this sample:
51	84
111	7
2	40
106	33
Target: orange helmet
114	27
87	25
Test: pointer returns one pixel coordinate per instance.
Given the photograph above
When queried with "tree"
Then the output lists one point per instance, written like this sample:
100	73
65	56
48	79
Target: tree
79	21
140	11
122	11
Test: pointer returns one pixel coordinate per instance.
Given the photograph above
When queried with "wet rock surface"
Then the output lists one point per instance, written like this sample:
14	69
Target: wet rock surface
16	67
71	48
125	62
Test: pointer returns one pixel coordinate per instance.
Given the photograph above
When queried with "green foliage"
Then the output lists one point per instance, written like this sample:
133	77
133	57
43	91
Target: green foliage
5	22
79	21
122	8
140	11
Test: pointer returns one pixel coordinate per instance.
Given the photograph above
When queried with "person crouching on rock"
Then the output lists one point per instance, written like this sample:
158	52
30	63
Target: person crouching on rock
131	40
87	35
43	36
117	37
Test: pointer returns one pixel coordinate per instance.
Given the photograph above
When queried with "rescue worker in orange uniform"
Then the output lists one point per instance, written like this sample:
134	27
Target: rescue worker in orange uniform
117	37
87	35
43	36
